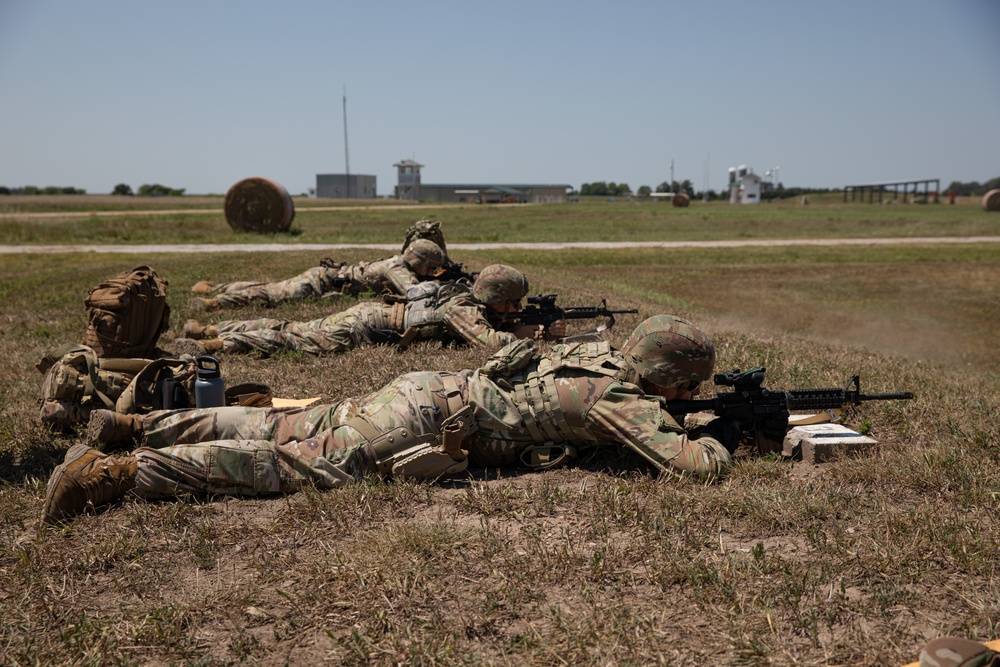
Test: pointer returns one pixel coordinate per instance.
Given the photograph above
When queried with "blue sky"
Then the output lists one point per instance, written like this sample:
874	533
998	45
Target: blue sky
200	94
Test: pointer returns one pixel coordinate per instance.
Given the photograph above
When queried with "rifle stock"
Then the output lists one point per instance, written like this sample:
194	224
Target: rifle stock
763	413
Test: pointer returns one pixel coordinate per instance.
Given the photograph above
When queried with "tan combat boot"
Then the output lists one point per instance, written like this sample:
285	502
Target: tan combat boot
196	331
107	427
203	287
198	303
87	478
196	348
213	345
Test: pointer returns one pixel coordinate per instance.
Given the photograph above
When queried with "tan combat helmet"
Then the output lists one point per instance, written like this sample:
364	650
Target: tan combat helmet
669	351
498	284
424	257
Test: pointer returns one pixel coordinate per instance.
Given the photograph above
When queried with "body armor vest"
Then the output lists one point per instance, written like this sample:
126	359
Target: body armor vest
535	394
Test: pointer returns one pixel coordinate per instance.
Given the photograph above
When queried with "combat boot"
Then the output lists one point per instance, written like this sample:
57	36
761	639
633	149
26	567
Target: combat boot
107	427
213	345
196	348
958	652
196	331
198	303
87	478
203	287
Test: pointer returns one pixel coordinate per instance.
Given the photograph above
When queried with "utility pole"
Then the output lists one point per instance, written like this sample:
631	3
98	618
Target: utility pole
673	188
347	155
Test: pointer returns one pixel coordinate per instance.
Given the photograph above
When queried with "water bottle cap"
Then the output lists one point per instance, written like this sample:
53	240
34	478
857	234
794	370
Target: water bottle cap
208	367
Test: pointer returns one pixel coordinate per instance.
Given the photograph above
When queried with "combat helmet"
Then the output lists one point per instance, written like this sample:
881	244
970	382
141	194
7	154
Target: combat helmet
423	256
669	351
498	283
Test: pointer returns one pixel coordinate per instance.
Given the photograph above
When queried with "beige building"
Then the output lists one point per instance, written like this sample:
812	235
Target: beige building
410	187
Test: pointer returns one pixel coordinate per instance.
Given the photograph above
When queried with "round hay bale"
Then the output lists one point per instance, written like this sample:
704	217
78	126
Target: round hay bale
681	200
258	205
991	200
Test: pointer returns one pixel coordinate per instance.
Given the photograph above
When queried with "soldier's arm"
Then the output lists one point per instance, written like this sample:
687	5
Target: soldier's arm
467	322
638	422
398	278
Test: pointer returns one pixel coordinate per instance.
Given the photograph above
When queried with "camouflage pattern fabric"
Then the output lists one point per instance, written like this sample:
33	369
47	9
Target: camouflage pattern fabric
255	451
391	275
456	318
498	284
668	351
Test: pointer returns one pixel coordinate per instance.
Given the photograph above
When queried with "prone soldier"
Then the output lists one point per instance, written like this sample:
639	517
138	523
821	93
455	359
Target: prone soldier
446	312
539	409
420	260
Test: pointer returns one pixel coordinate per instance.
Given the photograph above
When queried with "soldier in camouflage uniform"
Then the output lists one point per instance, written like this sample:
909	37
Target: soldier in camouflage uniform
419	261
522	406
446	312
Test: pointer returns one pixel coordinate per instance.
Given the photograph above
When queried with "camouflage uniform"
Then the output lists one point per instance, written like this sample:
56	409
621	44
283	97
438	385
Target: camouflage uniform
441	312
575	396
391	275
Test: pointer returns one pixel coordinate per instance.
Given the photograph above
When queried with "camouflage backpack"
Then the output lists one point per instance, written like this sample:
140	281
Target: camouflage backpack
126	315
77	382
426	229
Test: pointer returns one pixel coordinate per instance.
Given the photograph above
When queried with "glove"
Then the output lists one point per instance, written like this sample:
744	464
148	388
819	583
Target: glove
726	430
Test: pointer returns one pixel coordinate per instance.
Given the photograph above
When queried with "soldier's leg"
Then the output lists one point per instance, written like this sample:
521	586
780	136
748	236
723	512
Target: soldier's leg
165	428
328	335
412	428
243	467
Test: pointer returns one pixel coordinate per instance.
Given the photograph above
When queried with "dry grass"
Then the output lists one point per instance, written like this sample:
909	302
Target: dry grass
858	562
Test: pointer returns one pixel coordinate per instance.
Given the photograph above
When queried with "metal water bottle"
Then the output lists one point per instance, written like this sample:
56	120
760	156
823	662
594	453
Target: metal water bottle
209	388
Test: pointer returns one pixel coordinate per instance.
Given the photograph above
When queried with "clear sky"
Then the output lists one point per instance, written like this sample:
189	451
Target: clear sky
198	94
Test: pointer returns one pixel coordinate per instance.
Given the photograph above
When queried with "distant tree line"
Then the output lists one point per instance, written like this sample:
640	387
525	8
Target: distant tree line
35	190
973	188
604	189
146	190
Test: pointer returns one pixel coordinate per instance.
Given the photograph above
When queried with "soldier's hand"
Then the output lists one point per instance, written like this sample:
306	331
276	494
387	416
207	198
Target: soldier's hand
529	331
556	330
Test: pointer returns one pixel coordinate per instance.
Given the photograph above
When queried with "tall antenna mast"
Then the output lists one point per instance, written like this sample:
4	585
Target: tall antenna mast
347	155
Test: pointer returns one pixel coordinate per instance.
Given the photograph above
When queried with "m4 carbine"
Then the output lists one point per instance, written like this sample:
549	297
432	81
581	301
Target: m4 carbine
542	309
762	414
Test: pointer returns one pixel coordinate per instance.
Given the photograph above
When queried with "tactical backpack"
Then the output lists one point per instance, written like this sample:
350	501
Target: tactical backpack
77	382
126	315
426	229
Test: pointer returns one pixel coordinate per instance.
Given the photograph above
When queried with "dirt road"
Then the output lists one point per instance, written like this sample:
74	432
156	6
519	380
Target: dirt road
319	247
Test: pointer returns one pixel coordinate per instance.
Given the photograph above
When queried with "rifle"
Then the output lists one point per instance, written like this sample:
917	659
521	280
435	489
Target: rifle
455	272
542	309
762	414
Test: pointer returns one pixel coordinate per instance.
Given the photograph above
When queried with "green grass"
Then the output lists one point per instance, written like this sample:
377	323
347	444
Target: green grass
584	221
859	561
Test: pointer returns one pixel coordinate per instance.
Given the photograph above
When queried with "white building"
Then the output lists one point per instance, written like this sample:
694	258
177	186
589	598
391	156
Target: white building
744	186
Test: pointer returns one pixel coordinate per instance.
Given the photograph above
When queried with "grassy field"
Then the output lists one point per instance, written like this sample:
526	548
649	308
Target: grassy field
855	562
585	221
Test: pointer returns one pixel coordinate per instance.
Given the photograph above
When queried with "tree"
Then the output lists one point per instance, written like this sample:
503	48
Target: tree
123	189
644	190
157	190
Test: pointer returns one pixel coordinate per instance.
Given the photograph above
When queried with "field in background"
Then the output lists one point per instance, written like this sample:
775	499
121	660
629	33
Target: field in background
857	562
629	220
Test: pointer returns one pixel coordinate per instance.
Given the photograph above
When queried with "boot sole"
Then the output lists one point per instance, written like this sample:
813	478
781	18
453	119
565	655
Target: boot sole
193	330
75	452
98	425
